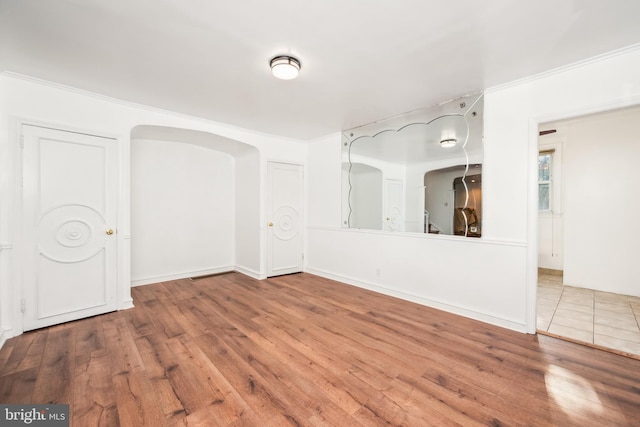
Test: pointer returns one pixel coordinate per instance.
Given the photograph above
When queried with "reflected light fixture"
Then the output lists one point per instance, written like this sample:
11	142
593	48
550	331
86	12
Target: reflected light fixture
447	143
285	67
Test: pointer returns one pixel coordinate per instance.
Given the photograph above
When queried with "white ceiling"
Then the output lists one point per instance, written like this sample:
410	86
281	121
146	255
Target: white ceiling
362	60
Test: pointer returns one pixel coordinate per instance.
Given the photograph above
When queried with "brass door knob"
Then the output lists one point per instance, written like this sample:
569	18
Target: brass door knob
270	224
109	232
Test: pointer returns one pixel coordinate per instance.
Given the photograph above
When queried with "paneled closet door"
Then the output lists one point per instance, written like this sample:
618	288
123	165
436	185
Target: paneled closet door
284	227
69	226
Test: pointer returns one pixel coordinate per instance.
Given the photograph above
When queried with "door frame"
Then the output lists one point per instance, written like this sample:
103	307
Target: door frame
16	215
534	122
556	214
265	215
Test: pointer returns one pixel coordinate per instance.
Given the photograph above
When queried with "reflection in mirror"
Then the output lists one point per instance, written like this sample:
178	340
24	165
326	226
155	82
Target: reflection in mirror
445	198
419	172
366	196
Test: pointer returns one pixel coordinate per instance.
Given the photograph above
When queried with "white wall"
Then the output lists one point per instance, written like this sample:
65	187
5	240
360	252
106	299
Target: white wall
182	211
601	210
551	241
248	211
499	285
24	99
411	266
325	181
437	271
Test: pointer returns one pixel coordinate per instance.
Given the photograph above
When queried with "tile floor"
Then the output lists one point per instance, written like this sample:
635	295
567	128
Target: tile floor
600	318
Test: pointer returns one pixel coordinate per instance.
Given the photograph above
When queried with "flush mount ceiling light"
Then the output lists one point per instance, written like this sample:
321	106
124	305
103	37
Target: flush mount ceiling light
447	143
285	67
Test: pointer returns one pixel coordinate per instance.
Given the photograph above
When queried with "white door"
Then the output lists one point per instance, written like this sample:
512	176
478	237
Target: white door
69	214
284	231
394	212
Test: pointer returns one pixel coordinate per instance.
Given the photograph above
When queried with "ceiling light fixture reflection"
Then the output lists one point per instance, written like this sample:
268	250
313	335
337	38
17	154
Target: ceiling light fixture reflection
449	142
285	67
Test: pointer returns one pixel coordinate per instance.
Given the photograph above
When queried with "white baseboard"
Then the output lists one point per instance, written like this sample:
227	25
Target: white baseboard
126	304
5	334
251	273
482	317
182	275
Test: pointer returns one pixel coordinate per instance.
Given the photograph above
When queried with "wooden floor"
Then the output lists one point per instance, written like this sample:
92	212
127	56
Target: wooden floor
301	350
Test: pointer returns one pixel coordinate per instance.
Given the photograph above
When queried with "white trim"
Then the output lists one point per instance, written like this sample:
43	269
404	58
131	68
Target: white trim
21	121
461	311
15	126
627	101
129	104
531	275
409	234
183	275
250	272
565	68
123	219
125	304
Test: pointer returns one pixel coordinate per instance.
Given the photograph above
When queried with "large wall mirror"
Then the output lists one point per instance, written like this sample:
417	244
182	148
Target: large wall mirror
420	172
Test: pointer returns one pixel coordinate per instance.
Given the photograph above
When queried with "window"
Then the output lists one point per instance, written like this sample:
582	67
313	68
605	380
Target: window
545	161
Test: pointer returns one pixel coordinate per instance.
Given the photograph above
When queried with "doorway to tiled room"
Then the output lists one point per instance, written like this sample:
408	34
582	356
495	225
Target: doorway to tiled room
602	319
587	288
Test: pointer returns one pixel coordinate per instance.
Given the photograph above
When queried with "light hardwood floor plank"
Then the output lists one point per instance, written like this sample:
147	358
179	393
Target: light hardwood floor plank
54	383
94	401
301	350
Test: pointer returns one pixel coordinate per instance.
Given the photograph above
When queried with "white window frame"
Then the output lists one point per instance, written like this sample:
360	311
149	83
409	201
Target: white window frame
556	193
550	182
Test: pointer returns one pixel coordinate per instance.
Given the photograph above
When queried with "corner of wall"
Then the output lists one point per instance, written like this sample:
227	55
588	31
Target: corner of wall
5	334
250	272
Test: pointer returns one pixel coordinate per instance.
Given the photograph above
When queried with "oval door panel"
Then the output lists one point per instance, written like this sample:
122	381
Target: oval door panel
285	220
71	233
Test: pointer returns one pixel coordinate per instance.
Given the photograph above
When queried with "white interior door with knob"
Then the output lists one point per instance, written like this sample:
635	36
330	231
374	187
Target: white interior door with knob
284	228
69	224
394	208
